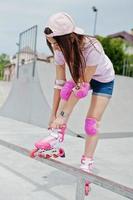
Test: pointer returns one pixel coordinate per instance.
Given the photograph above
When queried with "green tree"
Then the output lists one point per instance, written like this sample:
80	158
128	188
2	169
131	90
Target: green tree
4	60
114	50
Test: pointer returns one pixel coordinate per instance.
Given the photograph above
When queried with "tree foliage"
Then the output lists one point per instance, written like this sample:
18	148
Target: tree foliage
114	50
4	60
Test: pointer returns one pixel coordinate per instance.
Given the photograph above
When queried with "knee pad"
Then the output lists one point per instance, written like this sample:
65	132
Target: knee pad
67	90
82	90
91	126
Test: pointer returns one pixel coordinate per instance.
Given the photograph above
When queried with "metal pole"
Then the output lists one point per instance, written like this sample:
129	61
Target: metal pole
95	22
18	44
123	73
35	52
80	190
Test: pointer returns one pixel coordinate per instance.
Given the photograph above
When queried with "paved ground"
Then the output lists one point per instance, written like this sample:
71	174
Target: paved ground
23	178
5	88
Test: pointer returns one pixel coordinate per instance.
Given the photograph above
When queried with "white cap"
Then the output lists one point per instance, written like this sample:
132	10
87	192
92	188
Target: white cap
62	24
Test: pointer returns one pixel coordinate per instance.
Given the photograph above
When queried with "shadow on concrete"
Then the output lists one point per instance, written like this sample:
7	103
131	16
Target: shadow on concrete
51	180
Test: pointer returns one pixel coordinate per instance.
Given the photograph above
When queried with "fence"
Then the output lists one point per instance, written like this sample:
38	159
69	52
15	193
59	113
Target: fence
128	67
81	175
27	48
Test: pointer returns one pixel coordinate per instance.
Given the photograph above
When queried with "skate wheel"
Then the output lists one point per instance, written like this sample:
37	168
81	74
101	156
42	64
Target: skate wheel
40	155
32	153
61	153
55	156
87	188
47	156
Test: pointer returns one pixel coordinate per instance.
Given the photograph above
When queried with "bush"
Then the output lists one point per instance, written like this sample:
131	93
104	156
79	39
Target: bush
4	60
114	50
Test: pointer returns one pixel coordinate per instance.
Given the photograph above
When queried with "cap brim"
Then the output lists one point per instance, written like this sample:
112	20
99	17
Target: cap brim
79	31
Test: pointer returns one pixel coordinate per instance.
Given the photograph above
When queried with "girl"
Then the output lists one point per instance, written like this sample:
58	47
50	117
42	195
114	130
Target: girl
90	69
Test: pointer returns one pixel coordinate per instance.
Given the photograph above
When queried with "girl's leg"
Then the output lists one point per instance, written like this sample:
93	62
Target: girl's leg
96	110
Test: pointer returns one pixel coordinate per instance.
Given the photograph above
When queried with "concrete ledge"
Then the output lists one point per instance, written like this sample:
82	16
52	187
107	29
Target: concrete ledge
81	175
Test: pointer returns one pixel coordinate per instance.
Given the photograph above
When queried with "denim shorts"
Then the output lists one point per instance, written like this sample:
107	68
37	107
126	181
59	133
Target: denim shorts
102	89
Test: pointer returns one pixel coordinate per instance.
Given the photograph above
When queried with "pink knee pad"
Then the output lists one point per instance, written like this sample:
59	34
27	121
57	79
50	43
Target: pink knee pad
91	126
67	90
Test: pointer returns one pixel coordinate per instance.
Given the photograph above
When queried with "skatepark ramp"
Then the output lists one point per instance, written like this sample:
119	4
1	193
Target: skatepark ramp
31	96
79	174
30	101
118	115
26	101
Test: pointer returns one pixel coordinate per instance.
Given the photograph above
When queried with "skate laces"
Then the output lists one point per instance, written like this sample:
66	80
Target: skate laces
87	163
54	133
58	134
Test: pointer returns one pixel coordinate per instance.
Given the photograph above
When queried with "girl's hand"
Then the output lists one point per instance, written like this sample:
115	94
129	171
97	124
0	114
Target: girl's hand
58	122
51	120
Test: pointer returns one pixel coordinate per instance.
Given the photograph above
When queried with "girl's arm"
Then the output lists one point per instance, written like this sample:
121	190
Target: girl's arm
72	101
60	75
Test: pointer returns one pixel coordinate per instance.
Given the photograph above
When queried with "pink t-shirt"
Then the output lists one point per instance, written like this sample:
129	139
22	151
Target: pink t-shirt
94	56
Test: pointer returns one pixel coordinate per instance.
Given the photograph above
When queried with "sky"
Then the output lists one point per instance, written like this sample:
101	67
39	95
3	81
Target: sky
19	15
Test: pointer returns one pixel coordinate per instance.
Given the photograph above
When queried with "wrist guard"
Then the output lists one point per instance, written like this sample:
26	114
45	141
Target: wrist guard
59	84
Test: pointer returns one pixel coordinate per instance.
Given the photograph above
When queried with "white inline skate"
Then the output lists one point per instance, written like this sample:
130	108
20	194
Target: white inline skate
87	165
51	145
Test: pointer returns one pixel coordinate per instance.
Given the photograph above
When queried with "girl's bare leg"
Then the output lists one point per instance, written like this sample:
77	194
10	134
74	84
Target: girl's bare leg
96	110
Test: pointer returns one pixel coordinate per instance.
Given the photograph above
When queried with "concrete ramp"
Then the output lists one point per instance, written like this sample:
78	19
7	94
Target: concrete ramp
46	73
31	99
118	115
26	101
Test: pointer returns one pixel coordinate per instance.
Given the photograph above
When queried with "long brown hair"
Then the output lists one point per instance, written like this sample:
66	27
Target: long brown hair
70	46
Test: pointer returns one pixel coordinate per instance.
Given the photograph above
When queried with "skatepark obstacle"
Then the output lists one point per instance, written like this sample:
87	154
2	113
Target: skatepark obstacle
81	175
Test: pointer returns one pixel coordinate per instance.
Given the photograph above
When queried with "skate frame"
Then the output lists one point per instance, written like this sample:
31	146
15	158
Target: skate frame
79	174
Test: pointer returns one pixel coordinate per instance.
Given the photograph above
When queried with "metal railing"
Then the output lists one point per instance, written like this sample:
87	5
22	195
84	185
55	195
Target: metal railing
27	48
127	67
81	175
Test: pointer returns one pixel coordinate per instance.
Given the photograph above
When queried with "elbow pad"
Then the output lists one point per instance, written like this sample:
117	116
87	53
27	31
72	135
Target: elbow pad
67	90
82	90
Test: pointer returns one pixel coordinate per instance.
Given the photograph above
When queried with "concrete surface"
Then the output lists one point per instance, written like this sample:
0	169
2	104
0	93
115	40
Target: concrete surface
23	178
5	88
26	101
30	101
118	115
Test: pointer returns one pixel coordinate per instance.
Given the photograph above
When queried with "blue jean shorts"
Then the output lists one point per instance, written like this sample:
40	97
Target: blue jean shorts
102	89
